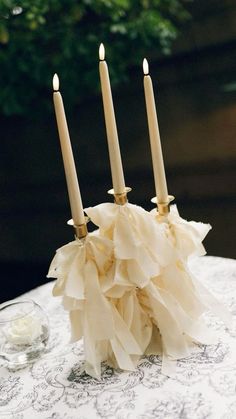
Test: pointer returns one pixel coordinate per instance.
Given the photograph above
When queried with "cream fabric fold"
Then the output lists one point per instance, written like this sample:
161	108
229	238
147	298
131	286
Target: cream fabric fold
134	233
186	236
85	272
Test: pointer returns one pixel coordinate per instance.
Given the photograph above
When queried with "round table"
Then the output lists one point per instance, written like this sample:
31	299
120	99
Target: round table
55	387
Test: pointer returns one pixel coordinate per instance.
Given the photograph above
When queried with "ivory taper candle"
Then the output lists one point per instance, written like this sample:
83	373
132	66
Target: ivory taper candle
68	159
156	150
111	129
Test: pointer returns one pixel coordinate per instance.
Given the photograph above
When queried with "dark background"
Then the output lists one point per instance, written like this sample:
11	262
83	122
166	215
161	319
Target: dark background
196	103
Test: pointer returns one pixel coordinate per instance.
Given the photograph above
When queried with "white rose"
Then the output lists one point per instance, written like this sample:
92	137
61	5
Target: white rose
23	331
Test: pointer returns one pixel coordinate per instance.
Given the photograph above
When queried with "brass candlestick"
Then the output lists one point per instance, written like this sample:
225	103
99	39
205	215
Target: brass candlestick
120	198
163	208
81	230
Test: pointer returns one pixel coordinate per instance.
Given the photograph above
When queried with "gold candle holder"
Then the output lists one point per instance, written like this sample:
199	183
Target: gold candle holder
120	198
81	230
163	208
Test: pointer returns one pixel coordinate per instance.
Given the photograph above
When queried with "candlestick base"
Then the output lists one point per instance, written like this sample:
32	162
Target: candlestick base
120	198
163	208
81	230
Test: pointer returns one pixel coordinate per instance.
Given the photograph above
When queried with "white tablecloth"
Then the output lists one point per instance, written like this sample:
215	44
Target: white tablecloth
55	387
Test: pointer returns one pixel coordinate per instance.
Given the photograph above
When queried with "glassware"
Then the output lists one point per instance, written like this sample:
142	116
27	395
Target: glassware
24	332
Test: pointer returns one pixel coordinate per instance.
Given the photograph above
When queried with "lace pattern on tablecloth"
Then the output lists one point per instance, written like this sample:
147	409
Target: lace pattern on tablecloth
55	387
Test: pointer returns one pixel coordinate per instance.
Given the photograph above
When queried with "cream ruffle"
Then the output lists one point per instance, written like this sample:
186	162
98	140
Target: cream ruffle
128	289
186	236
84	270
134	233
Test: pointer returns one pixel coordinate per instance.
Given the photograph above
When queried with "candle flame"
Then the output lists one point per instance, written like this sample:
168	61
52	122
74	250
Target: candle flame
101	52
145	66
55	82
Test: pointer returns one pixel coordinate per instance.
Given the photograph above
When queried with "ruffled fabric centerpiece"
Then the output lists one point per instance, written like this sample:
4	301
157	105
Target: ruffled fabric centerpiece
128	288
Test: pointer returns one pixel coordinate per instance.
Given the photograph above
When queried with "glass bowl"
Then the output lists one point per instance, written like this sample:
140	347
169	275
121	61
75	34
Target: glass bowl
24	332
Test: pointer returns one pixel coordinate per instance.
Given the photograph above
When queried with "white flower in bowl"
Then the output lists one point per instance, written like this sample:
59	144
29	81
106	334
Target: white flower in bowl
24	330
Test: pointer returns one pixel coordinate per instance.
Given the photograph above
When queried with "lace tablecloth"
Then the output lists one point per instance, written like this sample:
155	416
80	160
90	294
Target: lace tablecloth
55	387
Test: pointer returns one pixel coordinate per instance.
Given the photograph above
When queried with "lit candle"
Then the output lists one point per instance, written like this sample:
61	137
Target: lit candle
157	157
112	136
68	159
